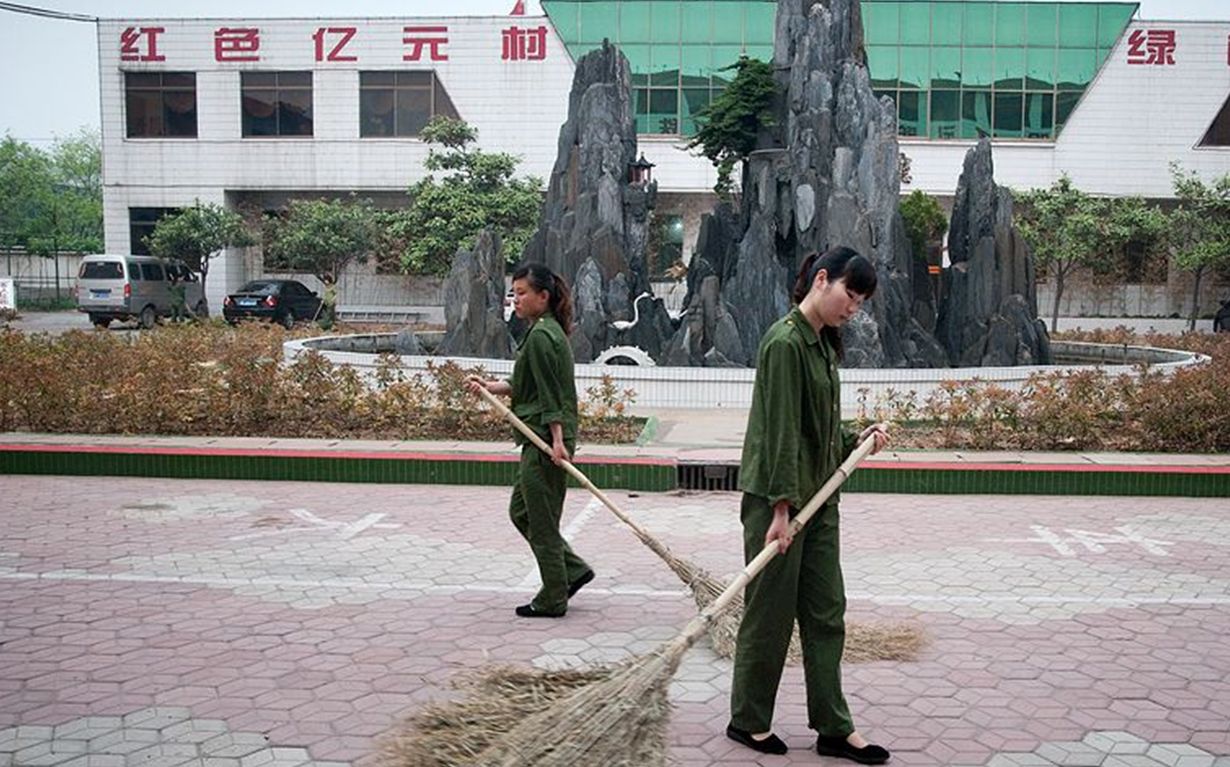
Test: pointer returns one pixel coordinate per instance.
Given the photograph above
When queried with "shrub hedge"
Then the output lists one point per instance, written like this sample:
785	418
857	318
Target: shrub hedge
210	379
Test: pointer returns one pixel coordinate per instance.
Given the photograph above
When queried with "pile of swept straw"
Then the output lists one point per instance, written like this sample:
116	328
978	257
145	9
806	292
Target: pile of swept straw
495	700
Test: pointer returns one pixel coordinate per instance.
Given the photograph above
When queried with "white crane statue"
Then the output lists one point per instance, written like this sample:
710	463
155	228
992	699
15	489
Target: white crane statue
622	325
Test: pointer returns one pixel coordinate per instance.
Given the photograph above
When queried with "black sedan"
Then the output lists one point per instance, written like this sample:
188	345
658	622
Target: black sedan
280	301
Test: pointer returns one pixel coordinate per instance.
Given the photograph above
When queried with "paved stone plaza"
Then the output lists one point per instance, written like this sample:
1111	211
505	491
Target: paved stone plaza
240	624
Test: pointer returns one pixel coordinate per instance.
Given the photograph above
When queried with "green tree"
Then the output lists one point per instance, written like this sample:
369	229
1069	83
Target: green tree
924	221
1200	228
25	189
730	124
51	202
321	237
1064	228
476	191
198	234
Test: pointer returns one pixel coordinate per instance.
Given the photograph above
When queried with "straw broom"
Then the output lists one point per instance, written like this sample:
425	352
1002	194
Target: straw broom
888	642
621	721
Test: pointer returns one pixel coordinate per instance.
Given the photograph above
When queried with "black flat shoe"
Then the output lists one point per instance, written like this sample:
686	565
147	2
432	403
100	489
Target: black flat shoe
841	748
529	611
576	585
770	745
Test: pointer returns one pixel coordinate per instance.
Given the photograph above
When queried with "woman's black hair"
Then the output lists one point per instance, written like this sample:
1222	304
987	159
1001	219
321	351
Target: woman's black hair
540	278
838	263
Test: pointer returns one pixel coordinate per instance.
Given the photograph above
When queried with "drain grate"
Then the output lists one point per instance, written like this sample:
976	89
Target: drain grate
708	476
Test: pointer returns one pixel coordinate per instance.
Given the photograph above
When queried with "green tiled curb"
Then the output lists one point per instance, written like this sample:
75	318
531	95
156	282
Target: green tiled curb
458	470
648	476
1042	481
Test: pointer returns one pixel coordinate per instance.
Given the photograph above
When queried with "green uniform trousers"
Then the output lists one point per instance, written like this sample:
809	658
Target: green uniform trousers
535	509
806	583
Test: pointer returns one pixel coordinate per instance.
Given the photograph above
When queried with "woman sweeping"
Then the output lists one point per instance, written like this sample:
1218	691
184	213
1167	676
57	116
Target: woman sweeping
794	443
545	397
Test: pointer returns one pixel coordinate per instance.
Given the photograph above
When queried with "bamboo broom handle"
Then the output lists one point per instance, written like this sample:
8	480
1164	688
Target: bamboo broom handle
512	418
701	622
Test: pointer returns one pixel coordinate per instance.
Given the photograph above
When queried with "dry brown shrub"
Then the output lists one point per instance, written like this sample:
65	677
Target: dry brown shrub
211	379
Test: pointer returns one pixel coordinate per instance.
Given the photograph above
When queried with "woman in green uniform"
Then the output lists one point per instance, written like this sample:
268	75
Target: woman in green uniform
545	397
794	443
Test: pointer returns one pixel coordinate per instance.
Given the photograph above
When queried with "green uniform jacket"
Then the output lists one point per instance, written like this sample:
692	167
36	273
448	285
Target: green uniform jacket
794	438
543	389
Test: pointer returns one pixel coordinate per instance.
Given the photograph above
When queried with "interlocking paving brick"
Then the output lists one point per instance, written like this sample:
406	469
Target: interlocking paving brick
243	618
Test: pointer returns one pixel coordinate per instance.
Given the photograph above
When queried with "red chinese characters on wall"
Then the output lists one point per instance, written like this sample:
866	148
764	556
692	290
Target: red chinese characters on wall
331	42
523	44
417	38
1153	46
237	44
141	44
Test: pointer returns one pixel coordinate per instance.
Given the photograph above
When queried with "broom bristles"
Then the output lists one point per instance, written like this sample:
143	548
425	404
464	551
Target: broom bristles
618	722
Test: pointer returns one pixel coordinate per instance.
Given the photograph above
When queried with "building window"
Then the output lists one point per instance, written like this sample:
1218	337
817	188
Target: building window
141	222
401	103
955	68
1219	132
160	104
276	103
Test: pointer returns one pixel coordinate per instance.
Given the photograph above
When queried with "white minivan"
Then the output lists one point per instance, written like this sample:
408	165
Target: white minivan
124	287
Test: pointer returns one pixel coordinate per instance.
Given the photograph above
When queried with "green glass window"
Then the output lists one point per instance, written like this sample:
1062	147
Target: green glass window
882	65
695	62
975	114
979	24
947	23
1009	68
634	23
1008	114
880	23
1039	115
724	56
597	20
694	100
915	66
1078	26
663	110
638	62
1064	104
664	65
1010	23
977	70
1040	68
945	67
912	113
945	113
954	68
759	19
1076	67
915	24
663	21
564	17
697	21
641	97
728	23
1112	20
1041	23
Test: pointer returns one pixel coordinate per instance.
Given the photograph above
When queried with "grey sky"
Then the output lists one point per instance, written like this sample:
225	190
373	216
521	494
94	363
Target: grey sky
49	68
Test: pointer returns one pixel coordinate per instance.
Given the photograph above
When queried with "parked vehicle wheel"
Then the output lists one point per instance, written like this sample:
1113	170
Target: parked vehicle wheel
148	317
100	322
288	319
